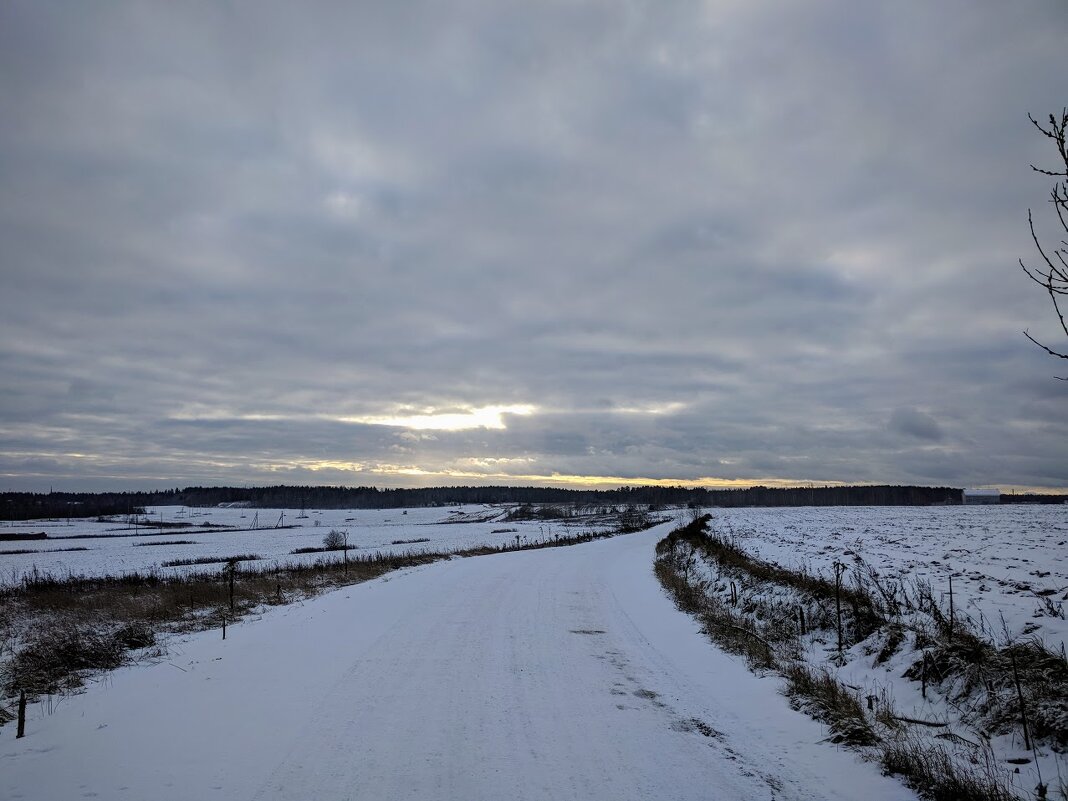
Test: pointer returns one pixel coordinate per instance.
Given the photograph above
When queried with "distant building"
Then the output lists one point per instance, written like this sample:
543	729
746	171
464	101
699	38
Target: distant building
972	497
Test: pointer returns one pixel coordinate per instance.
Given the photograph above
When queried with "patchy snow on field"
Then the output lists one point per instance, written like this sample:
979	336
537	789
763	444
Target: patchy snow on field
1008	561
123	544
1009	566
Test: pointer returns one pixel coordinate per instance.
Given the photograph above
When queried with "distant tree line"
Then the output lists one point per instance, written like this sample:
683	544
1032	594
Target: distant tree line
26	505
30	505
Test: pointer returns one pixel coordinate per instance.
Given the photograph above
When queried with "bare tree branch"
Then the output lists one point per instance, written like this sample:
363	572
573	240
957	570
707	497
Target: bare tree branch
1054	276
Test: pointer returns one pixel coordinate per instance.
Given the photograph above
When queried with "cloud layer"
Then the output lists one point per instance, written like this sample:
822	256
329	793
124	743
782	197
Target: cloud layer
404	243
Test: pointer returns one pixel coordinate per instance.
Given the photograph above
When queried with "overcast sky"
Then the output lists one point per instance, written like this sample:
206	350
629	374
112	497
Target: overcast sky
403	243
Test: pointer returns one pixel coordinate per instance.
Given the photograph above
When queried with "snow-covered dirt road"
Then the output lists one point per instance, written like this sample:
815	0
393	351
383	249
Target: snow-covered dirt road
556	674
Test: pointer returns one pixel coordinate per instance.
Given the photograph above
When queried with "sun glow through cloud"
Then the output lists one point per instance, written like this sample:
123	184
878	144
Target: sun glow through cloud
432	420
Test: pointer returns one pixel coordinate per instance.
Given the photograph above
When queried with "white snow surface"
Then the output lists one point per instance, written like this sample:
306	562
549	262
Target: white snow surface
1010	575
553	674
1004	559
113	546
1001	557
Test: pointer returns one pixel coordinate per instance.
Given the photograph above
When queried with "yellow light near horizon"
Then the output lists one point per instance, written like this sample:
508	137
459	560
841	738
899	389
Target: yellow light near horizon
557	479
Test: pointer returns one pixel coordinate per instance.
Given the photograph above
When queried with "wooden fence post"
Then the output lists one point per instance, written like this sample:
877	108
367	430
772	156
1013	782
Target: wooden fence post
22	715
1019	695
232	568
951	614
839	571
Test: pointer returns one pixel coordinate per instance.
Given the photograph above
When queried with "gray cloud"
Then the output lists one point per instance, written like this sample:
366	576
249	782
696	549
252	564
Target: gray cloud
702	240
914	423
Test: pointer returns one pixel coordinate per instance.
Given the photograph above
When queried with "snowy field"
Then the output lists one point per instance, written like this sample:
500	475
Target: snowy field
1007	561
118	545
462	661
563	673
1010	583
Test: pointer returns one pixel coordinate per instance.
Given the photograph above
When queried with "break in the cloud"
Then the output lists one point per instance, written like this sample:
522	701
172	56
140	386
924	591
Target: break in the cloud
416	243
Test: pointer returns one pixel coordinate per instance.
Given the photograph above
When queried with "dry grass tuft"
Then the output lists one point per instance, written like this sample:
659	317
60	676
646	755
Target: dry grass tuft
934	773
821	695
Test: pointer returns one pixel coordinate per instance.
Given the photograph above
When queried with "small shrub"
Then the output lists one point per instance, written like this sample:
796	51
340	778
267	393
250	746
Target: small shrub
53	660
335	540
